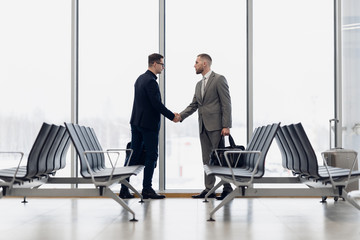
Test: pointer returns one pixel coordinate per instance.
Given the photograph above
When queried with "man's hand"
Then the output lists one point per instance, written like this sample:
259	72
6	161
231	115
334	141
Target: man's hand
177	118
225	132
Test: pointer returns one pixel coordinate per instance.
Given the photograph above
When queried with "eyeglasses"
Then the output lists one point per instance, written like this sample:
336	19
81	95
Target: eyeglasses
162	64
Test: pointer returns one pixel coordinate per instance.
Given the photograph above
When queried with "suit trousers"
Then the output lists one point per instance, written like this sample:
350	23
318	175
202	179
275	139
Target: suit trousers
210	140
149	140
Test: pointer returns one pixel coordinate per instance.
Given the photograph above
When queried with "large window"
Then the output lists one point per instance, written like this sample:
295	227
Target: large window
34	69
351	74
294	69
116	38
213	27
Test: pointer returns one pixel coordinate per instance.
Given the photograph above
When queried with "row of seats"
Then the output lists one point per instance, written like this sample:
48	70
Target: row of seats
91	156
254	159
51	145
93	166
47	155
252	168
299	157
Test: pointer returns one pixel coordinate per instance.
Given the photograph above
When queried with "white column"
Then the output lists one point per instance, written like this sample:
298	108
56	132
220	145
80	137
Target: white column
74	76
162	91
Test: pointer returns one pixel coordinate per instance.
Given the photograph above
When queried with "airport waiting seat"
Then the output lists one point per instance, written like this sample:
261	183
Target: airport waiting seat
93	163
253	167
308	170
48	150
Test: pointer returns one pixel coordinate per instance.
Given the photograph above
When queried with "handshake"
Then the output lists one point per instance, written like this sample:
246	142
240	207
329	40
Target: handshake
177	118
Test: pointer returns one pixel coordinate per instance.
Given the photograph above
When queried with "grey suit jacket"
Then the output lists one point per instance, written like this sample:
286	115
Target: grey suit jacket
214	108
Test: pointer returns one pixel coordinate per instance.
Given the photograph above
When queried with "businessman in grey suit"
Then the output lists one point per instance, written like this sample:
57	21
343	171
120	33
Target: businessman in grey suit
213	102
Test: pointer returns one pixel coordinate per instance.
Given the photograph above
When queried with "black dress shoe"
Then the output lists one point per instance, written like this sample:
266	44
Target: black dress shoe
223	195
125	194
202	195
150	193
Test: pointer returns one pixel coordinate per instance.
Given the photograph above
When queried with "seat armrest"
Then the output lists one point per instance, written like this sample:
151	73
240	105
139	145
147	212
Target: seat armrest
242	152
10	184
113	163
351	169
122	149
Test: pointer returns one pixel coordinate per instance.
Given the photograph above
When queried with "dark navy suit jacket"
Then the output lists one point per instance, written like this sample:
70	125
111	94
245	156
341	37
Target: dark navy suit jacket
147	105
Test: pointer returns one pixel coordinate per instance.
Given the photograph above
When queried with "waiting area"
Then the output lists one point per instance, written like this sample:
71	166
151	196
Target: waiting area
49	148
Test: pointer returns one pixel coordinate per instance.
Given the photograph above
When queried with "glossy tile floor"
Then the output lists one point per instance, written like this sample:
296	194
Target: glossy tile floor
178	218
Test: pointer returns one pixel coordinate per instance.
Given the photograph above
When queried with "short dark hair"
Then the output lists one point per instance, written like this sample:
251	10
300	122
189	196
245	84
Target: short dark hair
155	57
206	57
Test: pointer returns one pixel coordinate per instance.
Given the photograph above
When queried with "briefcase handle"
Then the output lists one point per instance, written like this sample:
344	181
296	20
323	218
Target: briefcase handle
222	142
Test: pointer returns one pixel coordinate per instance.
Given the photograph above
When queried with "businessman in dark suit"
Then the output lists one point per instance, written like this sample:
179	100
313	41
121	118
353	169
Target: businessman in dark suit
145	124
213	102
